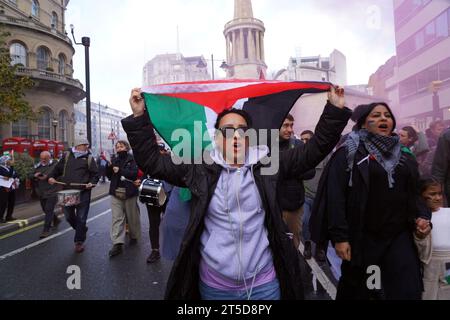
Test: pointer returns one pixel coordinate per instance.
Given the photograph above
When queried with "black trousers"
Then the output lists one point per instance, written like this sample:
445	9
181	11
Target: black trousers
154	219
7	203
48	206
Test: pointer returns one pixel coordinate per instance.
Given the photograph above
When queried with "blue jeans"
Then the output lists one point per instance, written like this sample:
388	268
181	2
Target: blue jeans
268	291
307	208
77	216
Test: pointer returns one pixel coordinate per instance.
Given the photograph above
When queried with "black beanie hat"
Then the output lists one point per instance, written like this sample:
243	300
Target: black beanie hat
361	113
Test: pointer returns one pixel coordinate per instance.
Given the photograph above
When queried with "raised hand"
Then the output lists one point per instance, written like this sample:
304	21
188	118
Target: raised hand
336	96
137	103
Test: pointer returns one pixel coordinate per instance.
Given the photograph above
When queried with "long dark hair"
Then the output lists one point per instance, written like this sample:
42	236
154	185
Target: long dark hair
361	113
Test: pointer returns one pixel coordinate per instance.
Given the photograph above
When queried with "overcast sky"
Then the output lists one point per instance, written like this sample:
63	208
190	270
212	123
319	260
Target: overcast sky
126	34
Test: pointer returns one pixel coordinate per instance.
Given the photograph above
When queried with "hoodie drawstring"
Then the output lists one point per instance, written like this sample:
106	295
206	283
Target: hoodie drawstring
238	242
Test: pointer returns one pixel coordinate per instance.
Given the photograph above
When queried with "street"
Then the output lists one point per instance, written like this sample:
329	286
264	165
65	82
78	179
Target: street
40	272
34	269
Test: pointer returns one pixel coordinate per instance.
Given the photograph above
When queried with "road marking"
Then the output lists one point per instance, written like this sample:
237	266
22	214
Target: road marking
320	275
21	230
23	223
35	244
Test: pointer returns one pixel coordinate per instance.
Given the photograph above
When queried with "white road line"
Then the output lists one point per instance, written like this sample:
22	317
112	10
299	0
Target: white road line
320	275
35	244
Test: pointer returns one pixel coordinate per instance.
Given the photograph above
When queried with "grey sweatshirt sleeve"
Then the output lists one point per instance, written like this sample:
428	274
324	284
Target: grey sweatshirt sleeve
422	144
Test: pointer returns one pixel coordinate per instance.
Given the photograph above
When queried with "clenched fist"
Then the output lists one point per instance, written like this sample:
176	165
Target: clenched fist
137	103
336	96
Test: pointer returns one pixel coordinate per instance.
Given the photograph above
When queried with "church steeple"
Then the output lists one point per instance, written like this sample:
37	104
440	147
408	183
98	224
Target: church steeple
245	43
243	9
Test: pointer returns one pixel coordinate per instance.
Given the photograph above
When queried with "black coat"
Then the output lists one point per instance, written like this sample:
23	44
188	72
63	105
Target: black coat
202	181
43	189
339	210
292	190
78	170
127	168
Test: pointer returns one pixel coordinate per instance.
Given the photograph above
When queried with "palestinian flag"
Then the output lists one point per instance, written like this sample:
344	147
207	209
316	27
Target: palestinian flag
194	106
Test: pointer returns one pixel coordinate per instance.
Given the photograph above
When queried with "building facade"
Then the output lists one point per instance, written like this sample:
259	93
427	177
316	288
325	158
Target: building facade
244	36
316	68
170	68
40	46
104	121
417	80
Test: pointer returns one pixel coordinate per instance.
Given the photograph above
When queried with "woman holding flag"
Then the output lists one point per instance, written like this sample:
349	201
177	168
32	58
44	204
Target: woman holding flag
236	246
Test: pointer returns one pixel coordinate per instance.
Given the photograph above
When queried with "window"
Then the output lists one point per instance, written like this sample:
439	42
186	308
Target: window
442	26
408	87
54	20
43	58
430	35
444	70
63	125
419	39
405	48
18	54
425	77
44	124
407	9
35	8
62	64
20	128
430	32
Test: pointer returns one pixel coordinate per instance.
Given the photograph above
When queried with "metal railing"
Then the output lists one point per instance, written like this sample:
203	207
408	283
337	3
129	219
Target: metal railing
46	75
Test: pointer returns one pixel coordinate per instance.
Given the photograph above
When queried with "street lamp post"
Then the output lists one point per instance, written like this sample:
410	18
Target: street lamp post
86	42
55	124
100	130
224	65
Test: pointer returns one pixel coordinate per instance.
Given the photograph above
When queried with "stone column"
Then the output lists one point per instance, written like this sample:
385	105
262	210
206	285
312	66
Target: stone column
252	46
230	52
258	47
249	44
237	38
263	58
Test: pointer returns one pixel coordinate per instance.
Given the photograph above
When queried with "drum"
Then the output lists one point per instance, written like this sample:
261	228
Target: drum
69	198
151	192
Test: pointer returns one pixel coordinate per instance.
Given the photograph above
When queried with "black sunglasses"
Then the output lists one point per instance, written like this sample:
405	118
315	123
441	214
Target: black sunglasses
229	132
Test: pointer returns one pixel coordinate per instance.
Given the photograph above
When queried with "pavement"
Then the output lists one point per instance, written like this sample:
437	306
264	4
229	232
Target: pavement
31	213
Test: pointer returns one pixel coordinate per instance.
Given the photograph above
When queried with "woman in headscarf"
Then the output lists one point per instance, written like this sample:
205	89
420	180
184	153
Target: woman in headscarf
8	194
370	206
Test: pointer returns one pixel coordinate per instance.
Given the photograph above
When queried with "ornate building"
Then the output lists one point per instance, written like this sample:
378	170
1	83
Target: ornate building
170	68
40	46
245	43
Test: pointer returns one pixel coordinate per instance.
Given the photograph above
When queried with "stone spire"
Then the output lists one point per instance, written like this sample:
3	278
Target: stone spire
244	37
243	9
